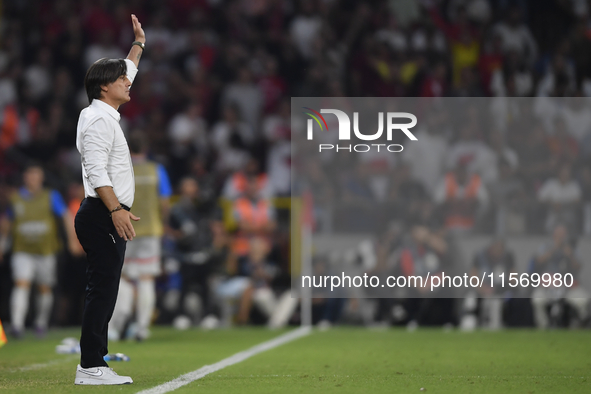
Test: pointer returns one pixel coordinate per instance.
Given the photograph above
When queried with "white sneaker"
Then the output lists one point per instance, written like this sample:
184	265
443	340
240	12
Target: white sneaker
210	322
113	335
324	325
99	376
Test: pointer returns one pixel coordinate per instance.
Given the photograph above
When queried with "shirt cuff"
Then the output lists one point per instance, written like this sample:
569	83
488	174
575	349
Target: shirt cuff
131	70
100	181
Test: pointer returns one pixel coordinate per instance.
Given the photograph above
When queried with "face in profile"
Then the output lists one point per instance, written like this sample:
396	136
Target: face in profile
118	91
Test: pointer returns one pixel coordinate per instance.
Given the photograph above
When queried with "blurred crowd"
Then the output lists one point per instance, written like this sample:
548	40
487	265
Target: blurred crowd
212	101
546	293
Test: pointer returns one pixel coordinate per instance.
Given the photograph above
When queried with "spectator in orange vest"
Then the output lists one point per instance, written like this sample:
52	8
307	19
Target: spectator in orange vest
237	183
255	217
18	127
461	197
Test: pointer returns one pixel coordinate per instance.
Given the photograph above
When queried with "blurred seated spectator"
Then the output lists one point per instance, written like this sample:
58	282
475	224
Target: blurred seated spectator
19	121
305	28
277	125
426	38
426	156
435	84
379	168
392	35
516	36
237	183
464	40
559	69
254	215
423	253
580	46
201	246
207	181
471	148
38	76
356	187
315	178
468	84
405	195
385	251
8	81
558	256
477	11
188	129
159	32
246	96
499	151
561	197
257	267
514	79
232	140
490	61
390	83
461	198
494	259
510	198
563	146
277	131
272	85
187	132
257	290
196	49
104	47
358	196
577	117
229	288
585	182
19	125
534	154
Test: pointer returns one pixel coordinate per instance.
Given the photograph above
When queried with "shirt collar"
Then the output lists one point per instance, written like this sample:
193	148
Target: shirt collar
107	108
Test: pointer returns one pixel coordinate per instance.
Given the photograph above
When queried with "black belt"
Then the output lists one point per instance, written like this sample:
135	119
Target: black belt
97	200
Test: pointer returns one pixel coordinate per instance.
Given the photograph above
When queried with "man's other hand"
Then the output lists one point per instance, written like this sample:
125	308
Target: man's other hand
122	221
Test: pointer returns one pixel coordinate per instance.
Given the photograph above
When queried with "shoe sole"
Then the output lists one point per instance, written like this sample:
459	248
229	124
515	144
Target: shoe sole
97	382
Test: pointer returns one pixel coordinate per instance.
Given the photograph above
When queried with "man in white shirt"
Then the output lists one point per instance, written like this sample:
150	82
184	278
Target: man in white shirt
516	36
103	222
562	197
426	157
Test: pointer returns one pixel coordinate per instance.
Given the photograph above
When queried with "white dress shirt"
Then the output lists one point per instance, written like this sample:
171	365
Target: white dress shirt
103	148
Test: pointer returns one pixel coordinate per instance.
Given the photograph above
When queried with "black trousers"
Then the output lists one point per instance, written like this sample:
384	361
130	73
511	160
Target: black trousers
105	251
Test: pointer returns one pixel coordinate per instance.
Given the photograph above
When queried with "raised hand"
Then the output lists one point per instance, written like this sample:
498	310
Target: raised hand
137	29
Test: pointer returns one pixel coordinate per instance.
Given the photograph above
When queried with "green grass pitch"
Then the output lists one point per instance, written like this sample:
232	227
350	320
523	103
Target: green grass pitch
342	360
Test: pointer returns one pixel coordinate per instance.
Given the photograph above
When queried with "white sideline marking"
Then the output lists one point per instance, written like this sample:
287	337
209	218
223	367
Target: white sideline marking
33	367
234	359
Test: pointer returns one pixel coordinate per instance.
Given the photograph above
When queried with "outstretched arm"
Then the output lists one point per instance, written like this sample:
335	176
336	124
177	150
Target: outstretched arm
135	53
